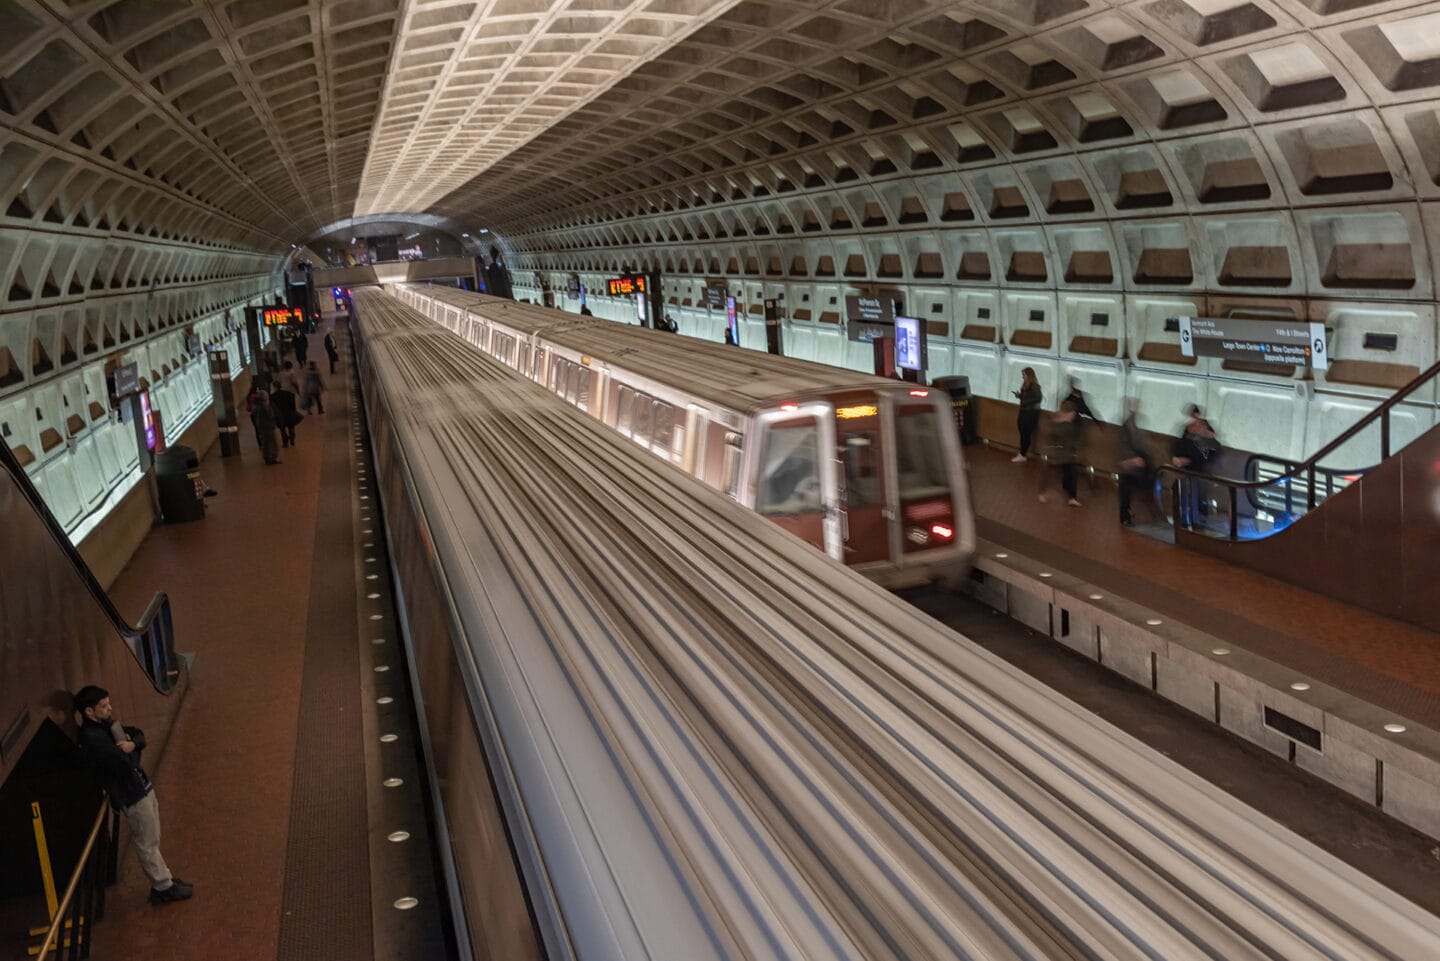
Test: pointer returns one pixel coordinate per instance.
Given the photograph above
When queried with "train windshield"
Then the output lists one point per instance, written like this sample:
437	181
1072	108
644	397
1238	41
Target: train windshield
789	476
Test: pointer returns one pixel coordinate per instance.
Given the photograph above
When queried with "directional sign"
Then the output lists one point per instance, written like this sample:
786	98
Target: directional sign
869	318
1290	342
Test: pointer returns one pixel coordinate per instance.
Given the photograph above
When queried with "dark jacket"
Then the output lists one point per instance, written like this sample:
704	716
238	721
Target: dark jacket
1082	409
1065	441
1199	450
120	774
283	403
263	417
330	348
1031	397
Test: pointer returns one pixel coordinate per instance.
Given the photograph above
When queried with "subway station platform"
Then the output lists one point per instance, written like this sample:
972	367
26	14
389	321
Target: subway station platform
271	785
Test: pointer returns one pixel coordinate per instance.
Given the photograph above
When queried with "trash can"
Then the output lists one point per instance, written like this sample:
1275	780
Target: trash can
962	404
177	478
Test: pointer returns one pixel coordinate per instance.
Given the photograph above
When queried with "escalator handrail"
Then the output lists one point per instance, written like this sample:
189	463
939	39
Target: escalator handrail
151	639
1313	461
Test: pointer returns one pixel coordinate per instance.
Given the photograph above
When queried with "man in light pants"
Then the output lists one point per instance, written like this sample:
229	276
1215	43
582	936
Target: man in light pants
114	753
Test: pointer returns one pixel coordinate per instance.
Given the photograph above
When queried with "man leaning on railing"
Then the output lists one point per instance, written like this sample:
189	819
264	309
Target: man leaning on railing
113	752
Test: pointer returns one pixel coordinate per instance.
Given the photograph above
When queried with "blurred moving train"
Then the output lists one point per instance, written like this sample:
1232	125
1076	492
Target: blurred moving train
866	469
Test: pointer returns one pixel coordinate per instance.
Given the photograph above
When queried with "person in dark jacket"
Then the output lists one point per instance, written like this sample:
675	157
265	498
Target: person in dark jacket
1137	472
1065	451
311	390
1197	449
301	346
113	752
331	351
263	417
1030	397
282	404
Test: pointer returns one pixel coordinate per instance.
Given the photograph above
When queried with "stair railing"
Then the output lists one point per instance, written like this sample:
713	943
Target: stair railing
152	639
1309	468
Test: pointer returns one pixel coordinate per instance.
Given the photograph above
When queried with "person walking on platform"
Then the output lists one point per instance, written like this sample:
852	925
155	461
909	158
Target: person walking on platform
331	350
287	418
1064	451
113	753
1197	449
263	417
1137	472
311	390
301	345
1030	397
288	380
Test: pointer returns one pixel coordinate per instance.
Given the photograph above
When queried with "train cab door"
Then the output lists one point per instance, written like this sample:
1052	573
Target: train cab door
793	480
862	448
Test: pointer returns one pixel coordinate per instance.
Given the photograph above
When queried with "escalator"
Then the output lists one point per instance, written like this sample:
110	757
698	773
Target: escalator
1367	536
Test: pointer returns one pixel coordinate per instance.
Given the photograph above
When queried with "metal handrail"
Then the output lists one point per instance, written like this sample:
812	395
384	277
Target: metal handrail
1329	474
1309	466
152	639
83	923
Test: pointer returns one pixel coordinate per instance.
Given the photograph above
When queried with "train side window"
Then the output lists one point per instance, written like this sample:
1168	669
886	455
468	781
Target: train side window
863	486
789	477
664	434
625	408
730	472
644	415
582	387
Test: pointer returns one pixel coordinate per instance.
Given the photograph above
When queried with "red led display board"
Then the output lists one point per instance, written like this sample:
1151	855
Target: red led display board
625	286
279	316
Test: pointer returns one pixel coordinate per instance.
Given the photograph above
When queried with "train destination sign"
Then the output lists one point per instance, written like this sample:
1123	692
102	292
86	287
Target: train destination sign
625	286
869	318
1292	342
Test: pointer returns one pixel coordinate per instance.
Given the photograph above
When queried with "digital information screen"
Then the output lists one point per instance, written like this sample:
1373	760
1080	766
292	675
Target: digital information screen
280	316
1290	342
730	319
149	420
625	286
869	318
911	347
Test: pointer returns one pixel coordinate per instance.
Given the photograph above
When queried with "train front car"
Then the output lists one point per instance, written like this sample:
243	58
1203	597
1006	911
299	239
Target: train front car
871	475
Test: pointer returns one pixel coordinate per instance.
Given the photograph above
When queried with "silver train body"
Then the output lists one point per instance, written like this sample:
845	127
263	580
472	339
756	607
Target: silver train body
660	728
866	469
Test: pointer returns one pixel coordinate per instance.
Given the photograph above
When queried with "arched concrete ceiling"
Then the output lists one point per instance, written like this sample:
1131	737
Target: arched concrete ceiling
199	140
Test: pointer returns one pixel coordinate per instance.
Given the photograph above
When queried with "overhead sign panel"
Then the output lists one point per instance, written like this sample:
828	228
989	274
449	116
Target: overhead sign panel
625	286
869	318
1290	342
279	316
715	296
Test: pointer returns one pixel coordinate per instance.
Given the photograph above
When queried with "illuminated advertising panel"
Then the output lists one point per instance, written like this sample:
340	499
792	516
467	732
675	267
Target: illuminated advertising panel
148	417
731	321
910	346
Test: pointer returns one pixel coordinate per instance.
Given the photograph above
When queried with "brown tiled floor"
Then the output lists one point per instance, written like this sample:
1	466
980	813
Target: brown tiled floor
239	583
1383	661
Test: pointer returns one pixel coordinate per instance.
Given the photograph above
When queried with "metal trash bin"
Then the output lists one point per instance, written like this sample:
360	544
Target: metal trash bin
963	405
177	480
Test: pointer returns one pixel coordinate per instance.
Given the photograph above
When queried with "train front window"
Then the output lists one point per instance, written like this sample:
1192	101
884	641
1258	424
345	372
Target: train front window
919	454
789	477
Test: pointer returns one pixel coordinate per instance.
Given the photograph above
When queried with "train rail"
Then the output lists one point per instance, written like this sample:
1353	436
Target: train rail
710	740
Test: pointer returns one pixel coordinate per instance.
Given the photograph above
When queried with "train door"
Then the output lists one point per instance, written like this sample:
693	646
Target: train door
793	478
863	446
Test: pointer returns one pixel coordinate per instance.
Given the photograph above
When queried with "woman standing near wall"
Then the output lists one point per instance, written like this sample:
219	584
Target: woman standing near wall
1030	397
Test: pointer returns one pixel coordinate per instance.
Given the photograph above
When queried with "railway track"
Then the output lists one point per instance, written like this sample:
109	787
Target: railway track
711	741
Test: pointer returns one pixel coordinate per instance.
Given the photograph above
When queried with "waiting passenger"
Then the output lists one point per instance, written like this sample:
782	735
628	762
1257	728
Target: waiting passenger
1030	397
1064	451
301	346
585	311
1197	449
729	337
113	753
331	351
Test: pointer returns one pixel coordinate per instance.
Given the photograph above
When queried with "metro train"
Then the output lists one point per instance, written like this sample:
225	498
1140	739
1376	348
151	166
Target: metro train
868	470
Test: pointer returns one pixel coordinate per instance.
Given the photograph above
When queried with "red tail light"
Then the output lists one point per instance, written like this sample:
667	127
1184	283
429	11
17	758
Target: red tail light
942	532
919	393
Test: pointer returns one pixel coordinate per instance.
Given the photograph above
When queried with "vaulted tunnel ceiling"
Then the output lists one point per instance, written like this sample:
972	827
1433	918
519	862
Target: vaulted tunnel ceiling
233	129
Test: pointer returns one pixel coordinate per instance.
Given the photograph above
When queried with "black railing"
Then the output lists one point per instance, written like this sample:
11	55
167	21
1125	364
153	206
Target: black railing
1189	487
72	928
152	639
1286	491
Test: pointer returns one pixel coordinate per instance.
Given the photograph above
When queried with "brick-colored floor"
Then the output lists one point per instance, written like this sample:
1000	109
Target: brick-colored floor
239	583
1384	661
